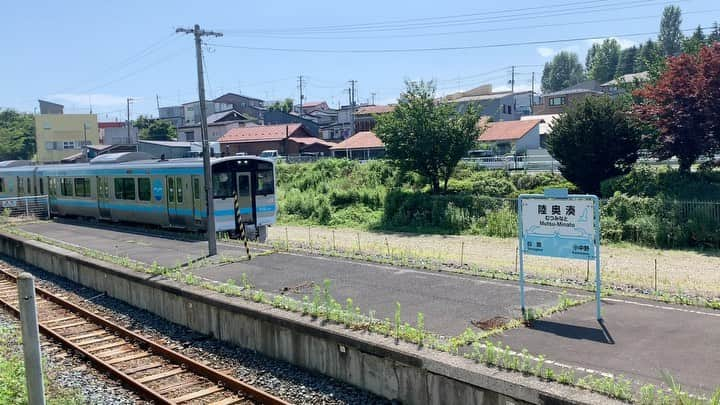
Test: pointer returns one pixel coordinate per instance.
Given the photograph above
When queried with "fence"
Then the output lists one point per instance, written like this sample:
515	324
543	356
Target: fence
26	207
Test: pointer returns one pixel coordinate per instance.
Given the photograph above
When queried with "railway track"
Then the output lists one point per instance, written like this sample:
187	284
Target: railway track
155	372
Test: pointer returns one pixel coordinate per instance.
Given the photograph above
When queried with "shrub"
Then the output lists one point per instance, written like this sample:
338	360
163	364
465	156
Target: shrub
501	223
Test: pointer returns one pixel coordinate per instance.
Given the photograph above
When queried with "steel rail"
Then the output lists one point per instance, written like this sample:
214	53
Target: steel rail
183	361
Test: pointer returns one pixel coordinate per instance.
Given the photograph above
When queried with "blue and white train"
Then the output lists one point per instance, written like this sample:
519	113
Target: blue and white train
168	193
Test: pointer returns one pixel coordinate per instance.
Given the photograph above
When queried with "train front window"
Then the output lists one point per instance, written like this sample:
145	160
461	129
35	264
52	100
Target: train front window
265	180
222	185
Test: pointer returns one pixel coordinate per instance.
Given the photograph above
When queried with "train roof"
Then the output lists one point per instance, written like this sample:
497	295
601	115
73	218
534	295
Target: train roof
129	164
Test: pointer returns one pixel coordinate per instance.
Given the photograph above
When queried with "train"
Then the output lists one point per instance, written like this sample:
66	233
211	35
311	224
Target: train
134	187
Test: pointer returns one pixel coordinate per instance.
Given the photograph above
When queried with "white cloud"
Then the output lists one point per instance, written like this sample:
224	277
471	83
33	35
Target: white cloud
545	52
99	100
624	42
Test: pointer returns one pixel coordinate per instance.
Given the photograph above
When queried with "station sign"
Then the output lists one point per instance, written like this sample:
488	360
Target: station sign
558	227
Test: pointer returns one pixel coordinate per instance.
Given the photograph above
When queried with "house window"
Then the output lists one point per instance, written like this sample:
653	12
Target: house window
555	101
144	189
189	136
50	146
124	188
68	144
46	125
82	187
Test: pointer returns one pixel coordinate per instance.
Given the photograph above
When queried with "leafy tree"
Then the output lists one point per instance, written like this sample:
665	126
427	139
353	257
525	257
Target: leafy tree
427	137
563	71
285	106
671	36
651	59
714	35
17	135
604	61
159	130
142	122
693	43
594	140
683	106
626	64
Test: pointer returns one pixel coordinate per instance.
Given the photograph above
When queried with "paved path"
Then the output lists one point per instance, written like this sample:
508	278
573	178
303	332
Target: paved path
640	338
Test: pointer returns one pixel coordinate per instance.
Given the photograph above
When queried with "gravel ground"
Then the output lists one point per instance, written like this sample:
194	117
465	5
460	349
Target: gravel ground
289	382
690	271
71	372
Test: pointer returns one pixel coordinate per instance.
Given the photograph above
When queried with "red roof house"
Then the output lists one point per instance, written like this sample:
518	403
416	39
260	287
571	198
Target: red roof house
287	139
520	135
363	145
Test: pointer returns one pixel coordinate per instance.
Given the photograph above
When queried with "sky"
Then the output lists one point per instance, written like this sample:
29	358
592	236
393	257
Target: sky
96	54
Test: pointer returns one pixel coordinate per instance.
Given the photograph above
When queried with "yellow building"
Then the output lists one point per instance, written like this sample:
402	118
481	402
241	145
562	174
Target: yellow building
61	135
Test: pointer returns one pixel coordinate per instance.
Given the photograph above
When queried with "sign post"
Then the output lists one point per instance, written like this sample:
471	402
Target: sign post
557	224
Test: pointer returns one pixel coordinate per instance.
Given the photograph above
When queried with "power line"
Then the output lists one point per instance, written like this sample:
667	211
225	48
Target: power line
583	9
440	49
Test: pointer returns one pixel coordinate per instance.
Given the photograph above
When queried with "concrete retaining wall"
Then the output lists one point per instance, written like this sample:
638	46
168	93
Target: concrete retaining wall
395	371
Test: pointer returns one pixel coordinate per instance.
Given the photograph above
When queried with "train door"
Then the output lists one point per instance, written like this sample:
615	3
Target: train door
245	199
175	200
197	202
103	197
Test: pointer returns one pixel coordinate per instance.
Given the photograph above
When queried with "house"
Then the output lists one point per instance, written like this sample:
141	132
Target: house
507	136
558	101
174	114
365	116
58	136
311	106
364	145
191	110
275	117
545	125
218	124
617	86
47	107
116	133
500	106
288	140
248	106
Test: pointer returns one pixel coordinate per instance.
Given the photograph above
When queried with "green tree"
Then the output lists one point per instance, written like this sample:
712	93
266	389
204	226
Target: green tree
594	140
626	64
17	135
714	35
425	136
651	59
563	71
693	43
159	130
671	36
142	122
604	62
284	106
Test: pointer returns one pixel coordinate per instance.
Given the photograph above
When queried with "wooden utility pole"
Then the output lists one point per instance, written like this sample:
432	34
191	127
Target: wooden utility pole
207	168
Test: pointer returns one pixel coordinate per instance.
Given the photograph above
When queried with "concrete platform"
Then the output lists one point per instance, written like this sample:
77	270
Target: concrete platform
640	338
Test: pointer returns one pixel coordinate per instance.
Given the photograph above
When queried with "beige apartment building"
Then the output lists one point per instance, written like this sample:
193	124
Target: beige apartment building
58	136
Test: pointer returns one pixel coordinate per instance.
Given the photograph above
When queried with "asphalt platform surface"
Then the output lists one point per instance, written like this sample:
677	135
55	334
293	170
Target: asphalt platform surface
639	339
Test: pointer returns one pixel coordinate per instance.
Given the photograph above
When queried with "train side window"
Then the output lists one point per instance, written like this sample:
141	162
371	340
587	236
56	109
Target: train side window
179	185
19	183
222	185
196	188
82	187
171	189
125	188
265	180
66	187
2	185
144	189
42	187
29	189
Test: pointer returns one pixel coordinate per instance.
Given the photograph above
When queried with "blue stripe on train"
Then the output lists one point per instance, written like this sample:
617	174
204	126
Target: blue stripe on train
156	208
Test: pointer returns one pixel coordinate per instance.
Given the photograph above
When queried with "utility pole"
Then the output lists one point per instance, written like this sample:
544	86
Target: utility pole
128	119
31	339
373	97
512	81
300	86
532	93
157	101
352	107
207	169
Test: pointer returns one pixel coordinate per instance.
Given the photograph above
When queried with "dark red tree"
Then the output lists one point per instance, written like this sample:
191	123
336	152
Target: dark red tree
683	106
